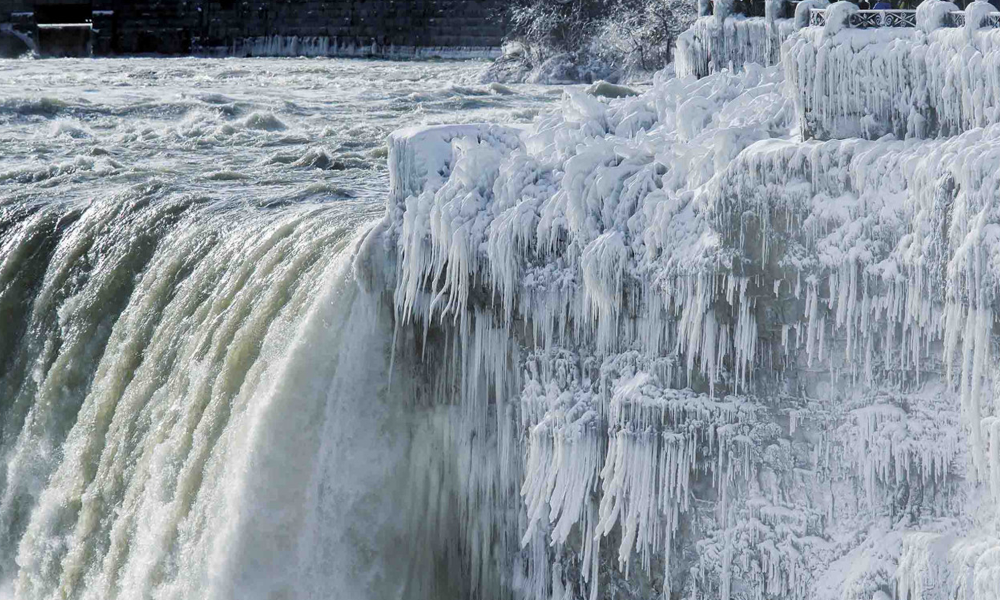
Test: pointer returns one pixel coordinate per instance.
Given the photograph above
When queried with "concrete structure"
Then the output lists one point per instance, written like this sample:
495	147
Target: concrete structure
253	26
62	27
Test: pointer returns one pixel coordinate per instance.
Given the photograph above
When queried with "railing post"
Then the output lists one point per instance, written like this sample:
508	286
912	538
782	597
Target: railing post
977	15
931	14
722	9
773	9
838	16
802	11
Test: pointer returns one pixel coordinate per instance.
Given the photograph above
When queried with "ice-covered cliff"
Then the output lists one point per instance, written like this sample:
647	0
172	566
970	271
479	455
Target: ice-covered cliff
687	354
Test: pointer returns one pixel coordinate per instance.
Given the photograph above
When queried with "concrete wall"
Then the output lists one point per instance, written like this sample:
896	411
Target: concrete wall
186	26
8	6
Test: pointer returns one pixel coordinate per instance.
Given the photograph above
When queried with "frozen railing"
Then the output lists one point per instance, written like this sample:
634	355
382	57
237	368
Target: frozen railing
871	19
866	74
726	40
868	19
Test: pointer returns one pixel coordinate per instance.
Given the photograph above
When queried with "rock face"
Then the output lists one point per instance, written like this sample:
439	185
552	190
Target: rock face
309	27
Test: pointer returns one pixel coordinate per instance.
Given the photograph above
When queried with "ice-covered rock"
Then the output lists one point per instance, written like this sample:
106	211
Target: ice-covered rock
610	90
715	359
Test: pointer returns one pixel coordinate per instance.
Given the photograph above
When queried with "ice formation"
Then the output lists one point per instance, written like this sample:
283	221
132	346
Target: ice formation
712	359
710	45
293	45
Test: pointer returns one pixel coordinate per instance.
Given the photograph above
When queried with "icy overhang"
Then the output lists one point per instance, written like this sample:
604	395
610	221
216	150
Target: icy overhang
420	157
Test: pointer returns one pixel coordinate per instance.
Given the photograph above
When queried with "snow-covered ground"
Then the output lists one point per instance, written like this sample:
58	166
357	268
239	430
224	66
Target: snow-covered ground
708	358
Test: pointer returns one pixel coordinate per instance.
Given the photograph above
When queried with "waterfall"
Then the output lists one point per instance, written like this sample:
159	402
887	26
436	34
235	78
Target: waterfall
196	404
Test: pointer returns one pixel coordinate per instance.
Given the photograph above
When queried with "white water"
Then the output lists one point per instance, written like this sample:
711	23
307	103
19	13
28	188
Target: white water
194	389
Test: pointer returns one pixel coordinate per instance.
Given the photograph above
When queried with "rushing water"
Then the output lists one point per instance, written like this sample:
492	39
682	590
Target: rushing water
194	402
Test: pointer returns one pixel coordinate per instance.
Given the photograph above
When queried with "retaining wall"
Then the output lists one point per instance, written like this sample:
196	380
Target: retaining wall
218	26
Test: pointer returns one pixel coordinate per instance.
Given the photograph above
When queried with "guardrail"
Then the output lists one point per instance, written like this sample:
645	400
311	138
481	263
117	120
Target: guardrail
871	19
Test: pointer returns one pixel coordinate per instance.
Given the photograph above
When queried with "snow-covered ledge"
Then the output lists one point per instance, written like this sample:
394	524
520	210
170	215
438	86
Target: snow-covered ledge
633	272
421	157
925	81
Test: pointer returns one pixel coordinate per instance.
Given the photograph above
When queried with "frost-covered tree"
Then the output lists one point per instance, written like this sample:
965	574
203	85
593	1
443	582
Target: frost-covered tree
591	39
640	36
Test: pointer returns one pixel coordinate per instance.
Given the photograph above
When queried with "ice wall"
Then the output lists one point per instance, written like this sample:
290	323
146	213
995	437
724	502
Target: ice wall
924	82
717	362
712	44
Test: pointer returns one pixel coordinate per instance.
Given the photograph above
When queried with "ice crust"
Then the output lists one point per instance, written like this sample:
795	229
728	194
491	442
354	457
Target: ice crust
715	360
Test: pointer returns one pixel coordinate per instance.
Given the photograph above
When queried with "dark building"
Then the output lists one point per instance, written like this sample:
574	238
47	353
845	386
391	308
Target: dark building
244	27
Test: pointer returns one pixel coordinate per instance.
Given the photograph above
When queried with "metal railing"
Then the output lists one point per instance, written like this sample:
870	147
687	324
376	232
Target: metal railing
871	19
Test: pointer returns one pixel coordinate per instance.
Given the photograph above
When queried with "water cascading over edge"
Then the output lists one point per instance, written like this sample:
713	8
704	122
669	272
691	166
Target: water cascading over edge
196	404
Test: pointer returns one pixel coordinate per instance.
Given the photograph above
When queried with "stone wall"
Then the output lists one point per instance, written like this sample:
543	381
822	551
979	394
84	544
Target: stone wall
218	26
